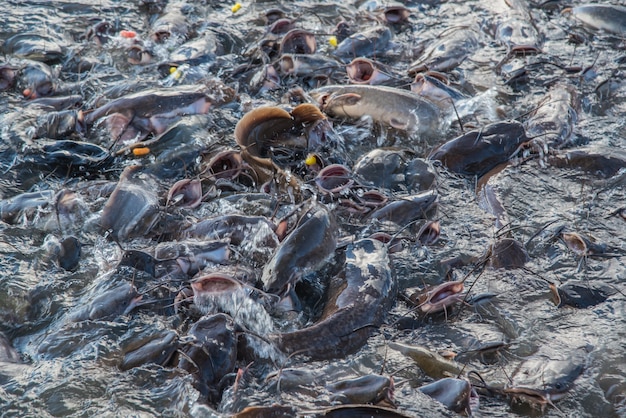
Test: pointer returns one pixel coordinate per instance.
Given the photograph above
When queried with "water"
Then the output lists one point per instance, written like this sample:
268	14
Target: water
72	369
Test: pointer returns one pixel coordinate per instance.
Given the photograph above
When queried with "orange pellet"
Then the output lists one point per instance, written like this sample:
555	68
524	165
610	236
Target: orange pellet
128	34
140	152
27	92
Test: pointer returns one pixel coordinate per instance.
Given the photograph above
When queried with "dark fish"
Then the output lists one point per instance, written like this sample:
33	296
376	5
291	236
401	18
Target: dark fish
68	158
397	170
477	152
30	45
138	260
406	210
357	411
368	43
436	90
8	76
133	208
60	125
507	253
172	24
301	65
120	299
69	253
157	348
154	110
298	41
608	17
11	209
580	294
211	354
236	228
308	246
453	393
596	160
36	80
55	103
359	297
371	388
193	255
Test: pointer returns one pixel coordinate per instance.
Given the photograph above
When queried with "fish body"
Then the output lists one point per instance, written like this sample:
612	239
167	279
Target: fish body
397	108
359	298
611	18
312	242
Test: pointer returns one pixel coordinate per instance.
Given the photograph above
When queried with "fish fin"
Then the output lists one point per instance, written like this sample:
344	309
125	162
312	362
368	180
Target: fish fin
307	112
398	124
346	99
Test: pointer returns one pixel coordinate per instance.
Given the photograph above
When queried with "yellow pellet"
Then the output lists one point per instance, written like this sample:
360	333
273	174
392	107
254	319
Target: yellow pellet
235	7
310	160
140	152
173	70
333	41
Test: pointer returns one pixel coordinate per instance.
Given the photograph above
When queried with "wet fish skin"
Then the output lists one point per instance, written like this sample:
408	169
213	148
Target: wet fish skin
554	119
433	364
234	227
406	210
476	152
400	109
453	393
356	411
212	355
600	161
12	208
312	242
447	53
162	103
397	170
364	44
611	18
359	298
370	388
133	208
118	300
157	349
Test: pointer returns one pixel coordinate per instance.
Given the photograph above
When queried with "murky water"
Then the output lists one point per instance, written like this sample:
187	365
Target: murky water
70	357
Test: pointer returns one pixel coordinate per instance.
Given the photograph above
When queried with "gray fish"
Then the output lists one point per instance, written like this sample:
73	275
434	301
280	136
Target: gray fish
400	109
453	393
153	110
365	44
133	208
553	121
157	348
611	18
359	298
310	244
120	299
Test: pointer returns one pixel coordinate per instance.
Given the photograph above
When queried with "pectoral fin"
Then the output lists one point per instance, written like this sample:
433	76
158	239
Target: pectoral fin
398	123
347	99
